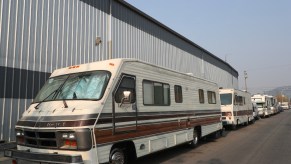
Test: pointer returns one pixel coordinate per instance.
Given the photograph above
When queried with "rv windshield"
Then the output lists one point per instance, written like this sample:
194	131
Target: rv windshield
79	86
226	99
260	105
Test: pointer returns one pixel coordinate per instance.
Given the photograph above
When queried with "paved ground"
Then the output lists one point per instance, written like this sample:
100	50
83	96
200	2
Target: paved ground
4	160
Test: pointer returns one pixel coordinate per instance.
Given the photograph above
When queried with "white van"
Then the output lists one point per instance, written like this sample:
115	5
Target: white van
114	111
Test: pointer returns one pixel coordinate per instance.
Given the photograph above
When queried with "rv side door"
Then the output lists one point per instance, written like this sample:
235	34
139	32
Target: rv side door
124	104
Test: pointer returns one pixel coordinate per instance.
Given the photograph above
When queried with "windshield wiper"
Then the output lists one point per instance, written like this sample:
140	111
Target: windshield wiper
55	92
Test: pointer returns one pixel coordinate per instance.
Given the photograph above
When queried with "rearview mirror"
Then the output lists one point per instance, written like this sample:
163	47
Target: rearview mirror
126	98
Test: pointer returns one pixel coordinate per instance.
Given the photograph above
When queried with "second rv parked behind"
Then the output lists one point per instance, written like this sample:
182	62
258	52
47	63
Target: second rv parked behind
236	107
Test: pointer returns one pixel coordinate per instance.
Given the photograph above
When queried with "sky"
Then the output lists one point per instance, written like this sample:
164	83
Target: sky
251	35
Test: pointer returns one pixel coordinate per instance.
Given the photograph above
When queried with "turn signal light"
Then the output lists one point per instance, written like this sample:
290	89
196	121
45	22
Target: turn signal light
70	143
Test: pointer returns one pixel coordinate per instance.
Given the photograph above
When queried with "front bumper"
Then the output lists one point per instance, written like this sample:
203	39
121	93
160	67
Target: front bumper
43	157
227	122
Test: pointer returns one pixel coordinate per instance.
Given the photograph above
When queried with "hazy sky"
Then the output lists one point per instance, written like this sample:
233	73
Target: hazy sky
252	35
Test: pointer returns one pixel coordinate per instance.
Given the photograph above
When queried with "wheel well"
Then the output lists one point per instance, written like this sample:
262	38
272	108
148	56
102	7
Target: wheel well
128	145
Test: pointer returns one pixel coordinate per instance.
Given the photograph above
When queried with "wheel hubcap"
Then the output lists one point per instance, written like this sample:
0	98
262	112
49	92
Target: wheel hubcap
117	158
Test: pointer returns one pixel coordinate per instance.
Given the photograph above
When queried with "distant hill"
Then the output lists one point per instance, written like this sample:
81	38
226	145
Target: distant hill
286	91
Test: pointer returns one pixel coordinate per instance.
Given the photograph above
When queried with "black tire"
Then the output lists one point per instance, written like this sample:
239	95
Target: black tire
118	156
217	134
195	141
222	132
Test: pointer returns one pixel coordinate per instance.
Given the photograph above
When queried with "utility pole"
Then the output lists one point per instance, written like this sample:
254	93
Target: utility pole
246	76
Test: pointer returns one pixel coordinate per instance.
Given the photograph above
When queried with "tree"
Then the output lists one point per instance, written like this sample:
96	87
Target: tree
282	98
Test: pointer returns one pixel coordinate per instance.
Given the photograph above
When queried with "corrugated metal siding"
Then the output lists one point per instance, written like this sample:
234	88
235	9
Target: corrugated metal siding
38	36
45	35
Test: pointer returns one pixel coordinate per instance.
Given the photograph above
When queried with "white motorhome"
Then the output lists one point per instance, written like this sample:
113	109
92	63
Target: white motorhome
264	104
114	111
236	107
285	105
255	111
274	109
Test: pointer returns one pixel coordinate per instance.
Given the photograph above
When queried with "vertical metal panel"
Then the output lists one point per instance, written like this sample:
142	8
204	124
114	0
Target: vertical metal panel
2	118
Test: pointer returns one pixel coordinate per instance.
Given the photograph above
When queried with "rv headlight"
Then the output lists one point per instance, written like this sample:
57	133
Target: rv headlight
72	136
69	140
69	135
19	136
65	135
80	139
19	132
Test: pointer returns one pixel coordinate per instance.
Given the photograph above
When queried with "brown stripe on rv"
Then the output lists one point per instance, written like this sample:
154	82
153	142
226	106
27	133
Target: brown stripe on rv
104	136
243	112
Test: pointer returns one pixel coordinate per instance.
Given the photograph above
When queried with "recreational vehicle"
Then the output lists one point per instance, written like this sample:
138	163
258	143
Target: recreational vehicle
236	107
115	111
264	104
255	111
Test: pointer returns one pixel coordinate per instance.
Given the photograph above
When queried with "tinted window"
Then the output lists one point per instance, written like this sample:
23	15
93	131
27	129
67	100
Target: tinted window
211	97
201	96
155	93
178	94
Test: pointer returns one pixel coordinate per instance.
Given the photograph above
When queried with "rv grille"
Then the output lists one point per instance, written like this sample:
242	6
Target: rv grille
40	139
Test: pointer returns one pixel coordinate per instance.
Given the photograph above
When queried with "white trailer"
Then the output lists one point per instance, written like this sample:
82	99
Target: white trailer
114	111
236	107
264	104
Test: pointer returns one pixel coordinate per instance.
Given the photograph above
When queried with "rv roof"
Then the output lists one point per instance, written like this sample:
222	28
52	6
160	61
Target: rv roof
111	65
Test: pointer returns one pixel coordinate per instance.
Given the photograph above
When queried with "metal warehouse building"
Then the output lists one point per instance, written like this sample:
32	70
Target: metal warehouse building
38	36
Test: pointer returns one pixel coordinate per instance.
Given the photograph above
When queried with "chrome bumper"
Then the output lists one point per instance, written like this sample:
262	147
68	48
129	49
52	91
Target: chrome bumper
43	157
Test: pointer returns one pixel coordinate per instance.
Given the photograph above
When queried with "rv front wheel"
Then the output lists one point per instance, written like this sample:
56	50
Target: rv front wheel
195	140
117	156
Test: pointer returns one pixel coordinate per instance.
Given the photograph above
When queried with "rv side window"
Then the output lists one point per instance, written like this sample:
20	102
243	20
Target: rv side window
211	97
201	96
155	93
239	100
178	94
127	84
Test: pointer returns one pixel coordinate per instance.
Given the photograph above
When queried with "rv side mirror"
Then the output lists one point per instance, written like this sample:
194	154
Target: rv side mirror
126	98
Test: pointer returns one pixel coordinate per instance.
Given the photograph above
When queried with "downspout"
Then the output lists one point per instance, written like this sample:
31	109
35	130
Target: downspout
109	31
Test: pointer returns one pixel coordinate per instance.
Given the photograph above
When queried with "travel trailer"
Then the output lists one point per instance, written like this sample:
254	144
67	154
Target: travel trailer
115	111
264	104
236	107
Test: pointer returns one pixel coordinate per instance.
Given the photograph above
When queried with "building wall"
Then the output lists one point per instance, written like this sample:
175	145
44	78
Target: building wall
38	36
